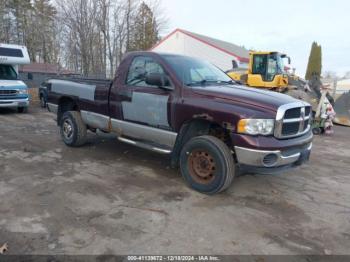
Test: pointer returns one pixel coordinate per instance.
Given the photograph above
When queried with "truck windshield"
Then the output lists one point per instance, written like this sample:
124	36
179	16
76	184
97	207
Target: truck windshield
7	72
193	71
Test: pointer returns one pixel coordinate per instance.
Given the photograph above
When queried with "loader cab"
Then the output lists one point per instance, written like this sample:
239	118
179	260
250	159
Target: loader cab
267	70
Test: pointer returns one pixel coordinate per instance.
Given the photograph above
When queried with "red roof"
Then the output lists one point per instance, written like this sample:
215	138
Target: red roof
44	68
239	52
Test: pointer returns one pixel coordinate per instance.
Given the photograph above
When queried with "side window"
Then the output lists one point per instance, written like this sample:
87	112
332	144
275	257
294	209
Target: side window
135	71
140	68
271	69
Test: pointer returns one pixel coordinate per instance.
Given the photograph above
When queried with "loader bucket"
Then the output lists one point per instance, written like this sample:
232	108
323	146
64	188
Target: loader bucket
342	108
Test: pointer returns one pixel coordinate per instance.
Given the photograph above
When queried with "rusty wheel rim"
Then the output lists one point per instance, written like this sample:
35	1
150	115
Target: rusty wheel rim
202	166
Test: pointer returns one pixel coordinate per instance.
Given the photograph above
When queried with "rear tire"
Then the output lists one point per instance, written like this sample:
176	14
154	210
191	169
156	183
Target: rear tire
73	130
207	165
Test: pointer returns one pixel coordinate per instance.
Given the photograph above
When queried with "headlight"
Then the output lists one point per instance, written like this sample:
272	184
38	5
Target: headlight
256	126
23	91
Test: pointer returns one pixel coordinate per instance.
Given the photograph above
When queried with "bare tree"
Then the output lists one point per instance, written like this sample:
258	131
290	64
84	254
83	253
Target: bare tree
130	14
43	30
347	75
121	34
79	18
330	75
87	36
5	22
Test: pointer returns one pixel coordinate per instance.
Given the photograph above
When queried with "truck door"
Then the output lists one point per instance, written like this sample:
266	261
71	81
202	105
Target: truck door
142	103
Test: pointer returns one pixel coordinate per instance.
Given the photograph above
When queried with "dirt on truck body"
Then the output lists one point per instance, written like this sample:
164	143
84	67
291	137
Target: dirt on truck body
212	128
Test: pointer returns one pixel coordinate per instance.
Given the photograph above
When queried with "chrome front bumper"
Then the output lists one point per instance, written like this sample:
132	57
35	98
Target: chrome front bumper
269	159
14	103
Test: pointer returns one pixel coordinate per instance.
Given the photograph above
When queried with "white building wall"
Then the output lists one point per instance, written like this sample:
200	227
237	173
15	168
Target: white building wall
198	49
180	43
174	44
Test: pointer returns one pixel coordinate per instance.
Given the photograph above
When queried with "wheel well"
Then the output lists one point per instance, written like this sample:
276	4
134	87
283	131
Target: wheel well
65	104
198	127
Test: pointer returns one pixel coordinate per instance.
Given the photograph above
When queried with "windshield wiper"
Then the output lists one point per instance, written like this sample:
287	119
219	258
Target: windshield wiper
202	82
230	82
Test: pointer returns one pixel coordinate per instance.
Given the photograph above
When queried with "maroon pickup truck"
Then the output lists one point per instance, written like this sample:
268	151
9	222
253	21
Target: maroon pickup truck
212	128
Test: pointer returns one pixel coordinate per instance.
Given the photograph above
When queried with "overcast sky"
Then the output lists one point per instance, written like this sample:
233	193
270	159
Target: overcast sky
285	26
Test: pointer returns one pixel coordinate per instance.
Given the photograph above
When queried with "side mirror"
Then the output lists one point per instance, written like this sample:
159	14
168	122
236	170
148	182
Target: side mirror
158	79
140	73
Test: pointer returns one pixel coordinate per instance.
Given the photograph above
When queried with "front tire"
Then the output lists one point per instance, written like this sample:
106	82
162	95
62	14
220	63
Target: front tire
22	110
73	130
207	165
42	101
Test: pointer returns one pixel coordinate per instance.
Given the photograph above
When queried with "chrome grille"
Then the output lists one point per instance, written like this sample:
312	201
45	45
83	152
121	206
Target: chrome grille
293	120
292	113
8	92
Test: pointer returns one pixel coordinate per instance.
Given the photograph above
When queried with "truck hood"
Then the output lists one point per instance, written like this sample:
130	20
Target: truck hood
247	95
12	84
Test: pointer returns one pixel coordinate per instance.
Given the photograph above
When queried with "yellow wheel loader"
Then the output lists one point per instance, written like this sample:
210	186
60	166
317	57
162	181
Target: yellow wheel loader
267	70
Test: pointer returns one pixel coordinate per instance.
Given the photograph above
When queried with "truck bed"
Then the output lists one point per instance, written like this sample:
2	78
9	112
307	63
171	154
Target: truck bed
85	80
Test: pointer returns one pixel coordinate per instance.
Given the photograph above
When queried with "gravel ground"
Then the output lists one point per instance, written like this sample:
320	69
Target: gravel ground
112	198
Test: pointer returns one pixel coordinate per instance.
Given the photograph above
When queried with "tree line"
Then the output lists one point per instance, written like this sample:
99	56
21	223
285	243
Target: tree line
89	37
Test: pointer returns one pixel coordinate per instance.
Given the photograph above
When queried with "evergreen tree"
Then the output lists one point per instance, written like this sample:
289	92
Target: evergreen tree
44	15
5	22
20	12
314	66
145	29
319	60
29	23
